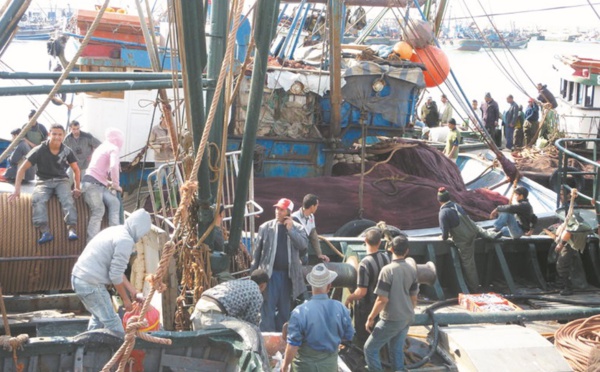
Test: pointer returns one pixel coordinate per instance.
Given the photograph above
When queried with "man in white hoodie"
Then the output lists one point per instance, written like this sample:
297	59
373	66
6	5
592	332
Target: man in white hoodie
103	262
100	183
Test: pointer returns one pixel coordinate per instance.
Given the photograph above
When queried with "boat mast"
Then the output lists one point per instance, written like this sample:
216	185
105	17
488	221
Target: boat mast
264	30
335	17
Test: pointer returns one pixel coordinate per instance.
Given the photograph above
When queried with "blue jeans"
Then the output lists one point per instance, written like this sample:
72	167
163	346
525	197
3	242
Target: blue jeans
43	191
277	306
96	299
509	134
388	332
97	197
508	225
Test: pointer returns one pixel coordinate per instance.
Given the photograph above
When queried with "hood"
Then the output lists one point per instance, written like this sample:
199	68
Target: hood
138	224
114	136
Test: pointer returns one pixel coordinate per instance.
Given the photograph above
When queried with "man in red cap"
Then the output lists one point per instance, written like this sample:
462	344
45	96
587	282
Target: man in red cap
530	127
279	245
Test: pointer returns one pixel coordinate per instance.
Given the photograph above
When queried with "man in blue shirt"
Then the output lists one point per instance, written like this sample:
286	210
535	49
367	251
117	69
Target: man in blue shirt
317	327
532	117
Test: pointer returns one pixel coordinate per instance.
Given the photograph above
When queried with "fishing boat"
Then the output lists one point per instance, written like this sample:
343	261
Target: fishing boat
266	112
468	45
579	107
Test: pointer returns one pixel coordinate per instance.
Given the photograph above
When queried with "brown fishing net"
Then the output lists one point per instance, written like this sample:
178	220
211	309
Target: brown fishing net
401	191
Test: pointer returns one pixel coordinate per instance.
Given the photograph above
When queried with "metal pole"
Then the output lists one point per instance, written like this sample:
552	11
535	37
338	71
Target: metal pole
507	316
217	40
266	12
335	68
88	75
87	87
297	37
290	33
10	19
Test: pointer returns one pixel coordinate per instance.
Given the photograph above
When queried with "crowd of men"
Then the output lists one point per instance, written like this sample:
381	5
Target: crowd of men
520	125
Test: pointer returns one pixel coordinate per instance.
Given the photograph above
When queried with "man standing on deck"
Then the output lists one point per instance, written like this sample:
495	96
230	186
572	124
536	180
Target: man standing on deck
429	113
455	223
160	142
279	245
452	141
396	290
82	143
446	110
36	134
17	157
491	114
103	262
317	327
510	121
532	117
368	272
306	217
52	158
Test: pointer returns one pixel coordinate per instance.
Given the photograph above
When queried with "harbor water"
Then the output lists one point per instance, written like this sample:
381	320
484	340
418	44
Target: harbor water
477	73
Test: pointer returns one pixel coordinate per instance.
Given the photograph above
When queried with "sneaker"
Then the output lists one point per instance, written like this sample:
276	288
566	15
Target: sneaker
73	235
46	237
492	234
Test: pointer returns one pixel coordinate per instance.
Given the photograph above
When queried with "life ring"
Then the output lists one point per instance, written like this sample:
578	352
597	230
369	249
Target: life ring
573	180
354	227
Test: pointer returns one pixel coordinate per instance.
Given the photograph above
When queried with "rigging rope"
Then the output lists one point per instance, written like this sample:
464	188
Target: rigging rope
188	191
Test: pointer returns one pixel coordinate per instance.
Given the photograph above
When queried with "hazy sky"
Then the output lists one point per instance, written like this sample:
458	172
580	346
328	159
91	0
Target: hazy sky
574	13
568	14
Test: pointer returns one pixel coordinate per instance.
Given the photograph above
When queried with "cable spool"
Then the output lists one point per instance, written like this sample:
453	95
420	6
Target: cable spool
20	271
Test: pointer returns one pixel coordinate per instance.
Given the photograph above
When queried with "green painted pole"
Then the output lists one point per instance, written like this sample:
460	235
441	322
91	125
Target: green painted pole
192	41
217	40
88	75
568	313
264	31
8	20
87	87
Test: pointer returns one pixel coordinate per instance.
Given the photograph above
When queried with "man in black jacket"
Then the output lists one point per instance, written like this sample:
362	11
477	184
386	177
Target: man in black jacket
491	115
515	220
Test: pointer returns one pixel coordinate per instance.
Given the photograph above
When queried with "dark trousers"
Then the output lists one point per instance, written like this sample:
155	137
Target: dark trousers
563	265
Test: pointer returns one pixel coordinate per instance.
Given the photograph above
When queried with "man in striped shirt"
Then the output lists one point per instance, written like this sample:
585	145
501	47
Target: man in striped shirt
368	272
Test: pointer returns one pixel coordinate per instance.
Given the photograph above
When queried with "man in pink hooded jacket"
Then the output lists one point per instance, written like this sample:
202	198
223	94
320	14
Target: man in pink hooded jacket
101	183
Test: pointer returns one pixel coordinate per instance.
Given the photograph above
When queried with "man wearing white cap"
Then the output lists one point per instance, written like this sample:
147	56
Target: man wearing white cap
317	327
279	245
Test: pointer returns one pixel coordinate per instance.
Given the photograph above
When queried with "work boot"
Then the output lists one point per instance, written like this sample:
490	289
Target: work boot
567	288
46	237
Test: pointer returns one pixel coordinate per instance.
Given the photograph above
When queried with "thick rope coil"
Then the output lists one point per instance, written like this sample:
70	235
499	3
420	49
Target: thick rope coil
576	340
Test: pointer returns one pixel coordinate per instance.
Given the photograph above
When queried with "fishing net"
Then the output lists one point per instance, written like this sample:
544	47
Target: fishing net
402	191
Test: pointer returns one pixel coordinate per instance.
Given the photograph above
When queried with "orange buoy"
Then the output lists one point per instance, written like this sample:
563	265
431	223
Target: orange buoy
436	62
152	317
403	49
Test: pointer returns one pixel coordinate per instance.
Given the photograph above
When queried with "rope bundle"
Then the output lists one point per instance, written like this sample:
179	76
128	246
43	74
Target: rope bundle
577	339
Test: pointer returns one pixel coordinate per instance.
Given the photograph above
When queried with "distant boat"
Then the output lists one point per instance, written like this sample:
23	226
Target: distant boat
470	45
34	32
510	43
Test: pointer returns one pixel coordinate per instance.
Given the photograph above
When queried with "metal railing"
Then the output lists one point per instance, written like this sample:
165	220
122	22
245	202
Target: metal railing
164	184
566	173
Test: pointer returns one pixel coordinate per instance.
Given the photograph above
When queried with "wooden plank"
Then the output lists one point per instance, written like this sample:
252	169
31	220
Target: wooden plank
177	362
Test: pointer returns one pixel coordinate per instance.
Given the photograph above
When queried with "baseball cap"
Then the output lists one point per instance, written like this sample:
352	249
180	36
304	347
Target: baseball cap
284	203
